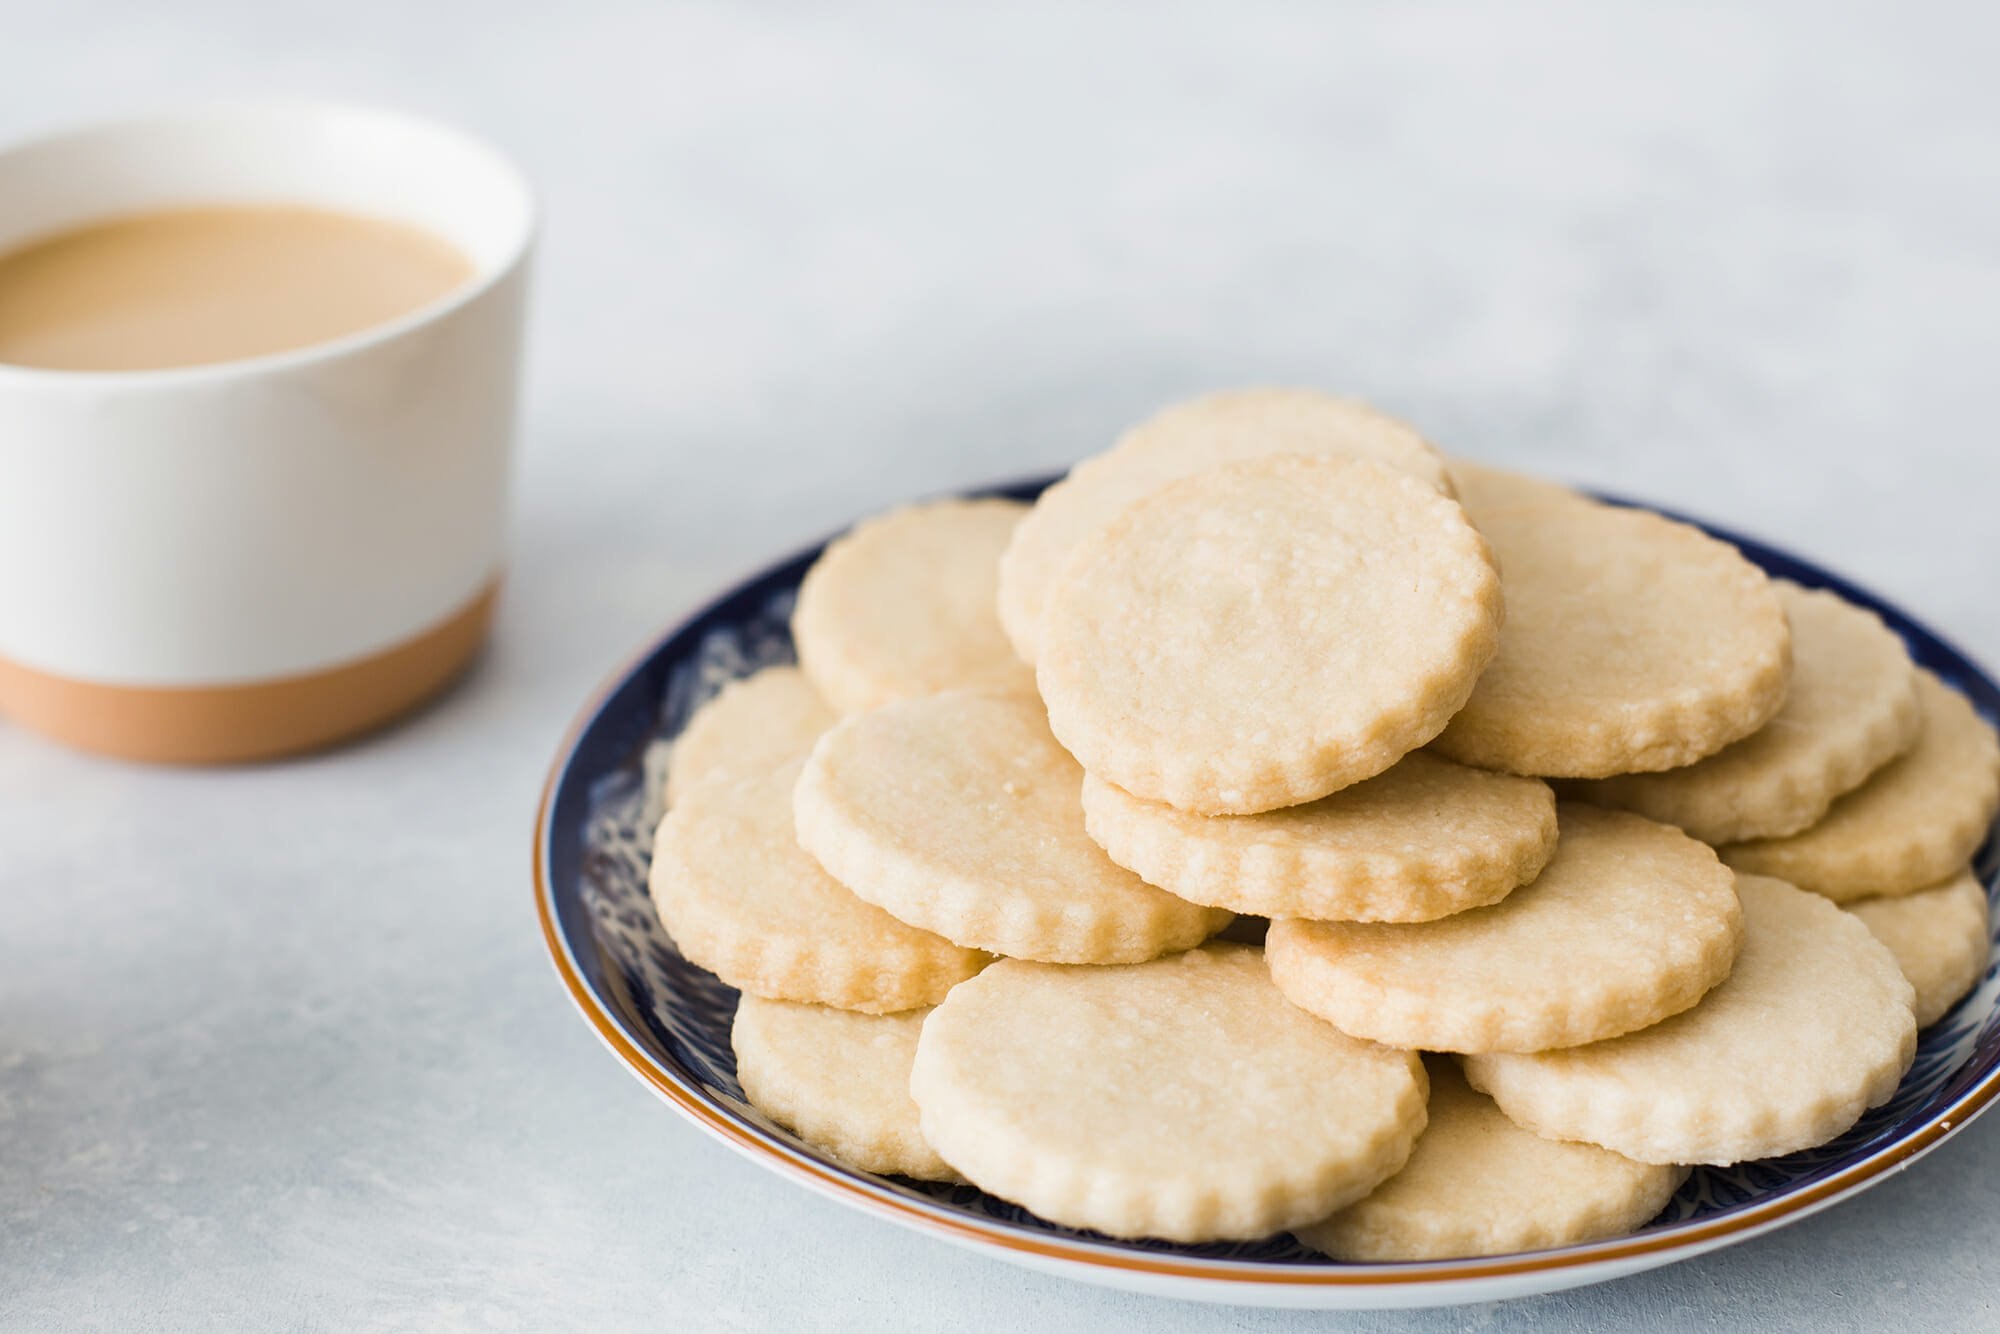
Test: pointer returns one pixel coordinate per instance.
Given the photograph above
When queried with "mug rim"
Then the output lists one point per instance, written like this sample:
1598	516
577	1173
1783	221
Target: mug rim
488	275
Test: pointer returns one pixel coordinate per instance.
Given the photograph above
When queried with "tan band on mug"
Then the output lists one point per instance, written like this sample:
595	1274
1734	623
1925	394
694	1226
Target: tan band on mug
260	721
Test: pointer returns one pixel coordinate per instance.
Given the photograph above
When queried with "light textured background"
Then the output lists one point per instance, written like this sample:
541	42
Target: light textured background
279	1049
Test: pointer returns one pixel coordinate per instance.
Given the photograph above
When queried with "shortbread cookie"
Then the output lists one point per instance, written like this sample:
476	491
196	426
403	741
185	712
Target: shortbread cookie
1630	921
743	900
1477	1184
1812	1028
1424	839
751	726
1182	1098
1633	643
838	1080
1184	439
1481	487
1262	634
904	605
1941	937
1911	825
1852	708
960	814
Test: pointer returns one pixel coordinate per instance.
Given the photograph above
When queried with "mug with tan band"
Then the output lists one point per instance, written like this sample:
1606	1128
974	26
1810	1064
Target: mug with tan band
258	376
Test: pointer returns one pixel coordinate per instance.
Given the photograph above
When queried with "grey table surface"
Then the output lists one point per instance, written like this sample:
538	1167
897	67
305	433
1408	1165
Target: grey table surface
279	1048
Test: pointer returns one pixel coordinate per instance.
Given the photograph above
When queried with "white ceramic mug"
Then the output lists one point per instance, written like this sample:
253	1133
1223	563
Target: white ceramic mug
257	557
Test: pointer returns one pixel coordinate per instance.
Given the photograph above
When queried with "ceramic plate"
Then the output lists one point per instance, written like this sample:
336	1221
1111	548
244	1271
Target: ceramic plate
669	1021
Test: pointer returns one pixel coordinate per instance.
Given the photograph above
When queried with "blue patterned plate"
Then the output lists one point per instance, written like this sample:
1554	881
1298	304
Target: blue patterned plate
669	1021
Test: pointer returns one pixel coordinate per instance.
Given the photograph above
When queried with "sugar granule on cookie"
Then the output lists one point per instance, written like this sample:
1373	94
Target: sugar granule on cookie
1852	707
1181	1098
1424	839
1633	643
1912	824
1812	1027
1177	442
960	814
1263	634
752	725
904	605
740	898
1477	1184
838	1080
1630	922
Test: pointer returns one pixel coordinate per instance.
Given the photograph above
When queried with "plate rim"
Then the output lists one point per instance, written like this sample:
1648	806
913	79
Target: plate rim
1126	1266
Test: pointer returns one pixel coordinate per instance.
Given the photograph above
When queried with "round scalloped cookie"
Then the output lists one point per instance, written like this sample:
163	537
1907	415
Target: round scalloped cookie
1425	839
903	605
1812	1028
838	1080
1181	1098
960	814
1915	822
1266	633
1852	707
1481	486
1630	922
1942	938
1177	442
740	898
752	725
1477	1184
1633	643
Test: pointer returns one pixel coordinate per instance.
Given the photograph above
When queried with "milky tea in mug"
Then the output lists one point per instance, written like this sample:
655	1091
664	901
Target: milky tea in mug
194	286
258	379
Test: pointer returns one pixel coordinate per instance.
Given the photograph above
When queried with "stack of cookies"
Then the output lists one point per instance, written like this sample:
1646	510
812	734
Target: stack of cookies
1588	852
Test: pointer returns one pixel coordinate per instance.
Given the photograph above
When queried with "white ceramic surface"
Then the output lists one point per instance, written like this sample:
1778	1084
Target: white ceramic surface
217	525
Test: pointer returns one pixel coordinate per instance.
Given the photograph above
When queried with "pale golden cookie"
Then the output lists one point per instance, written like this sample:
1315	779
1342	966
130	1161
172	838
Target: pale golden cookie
751	726
838	1080
1477	1184
1424	839
1630	921
1633	643
1265	633
1177	442
1941	937
1812	1027
743	900
1182	1098
1911	825
1852	708
960	814
1481	486
904	605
